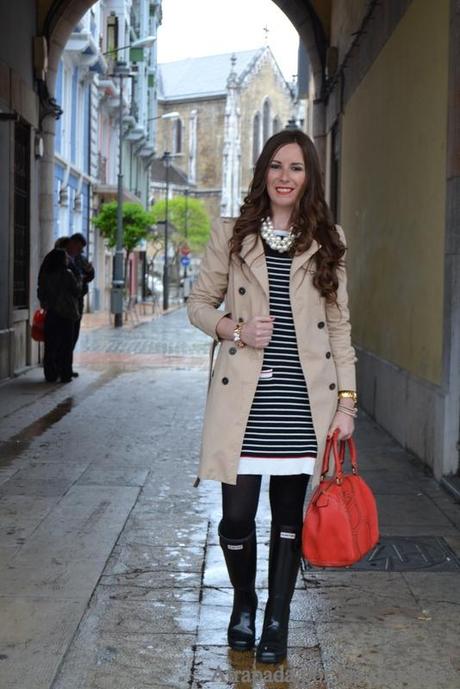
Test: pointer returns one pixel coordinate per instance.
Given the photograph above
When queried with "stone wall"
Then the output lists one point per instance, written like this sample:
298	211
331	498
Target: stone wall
261	83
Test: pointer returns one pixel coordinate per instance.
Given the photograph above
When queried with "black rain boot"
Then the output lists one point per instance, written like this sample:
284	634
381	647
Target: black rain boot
284	562
240	557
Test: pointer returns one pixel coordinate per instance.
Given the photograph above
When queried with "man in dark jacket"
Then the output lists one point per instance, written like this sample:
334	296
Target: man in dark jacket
83	271
58	292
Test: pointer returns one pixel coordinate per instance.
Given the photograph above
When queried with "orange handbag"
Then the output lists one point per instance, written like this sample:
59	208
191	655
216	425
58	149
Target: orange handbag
38	325
341	521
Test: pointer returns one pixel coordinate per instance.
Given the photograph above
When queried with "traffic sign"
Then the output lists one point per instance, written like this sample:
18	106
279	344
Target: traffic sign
185	250
185	261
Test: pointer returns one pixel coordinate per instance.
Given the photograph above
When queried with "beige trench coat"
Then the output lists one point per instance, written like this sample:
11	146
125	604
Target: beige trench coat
323	337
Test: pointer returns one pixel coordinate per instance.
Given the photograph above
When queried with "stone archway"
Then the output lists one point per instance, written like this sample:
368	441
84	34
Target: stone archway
310	18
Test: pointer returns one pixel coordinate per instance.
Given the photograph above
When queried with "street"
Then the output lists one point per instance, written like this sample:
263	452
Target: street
111	575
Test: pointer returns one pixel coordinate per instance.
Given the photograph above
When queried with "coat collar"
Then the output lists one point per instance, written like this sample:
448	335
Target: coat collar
254	257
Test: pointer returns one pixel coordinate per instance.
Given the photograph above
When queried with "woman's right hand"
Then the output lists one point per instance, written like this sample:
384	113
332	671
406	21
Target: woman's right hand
257	331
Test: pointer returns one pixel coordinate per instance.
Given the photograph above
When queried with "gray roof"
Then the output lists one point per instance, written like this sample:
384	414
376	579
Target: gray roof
176	175
202	76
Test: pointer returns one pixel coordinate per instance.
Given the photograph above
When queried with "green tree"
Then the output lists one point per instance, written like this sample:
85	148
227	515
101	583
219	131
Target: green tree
190	219
137	225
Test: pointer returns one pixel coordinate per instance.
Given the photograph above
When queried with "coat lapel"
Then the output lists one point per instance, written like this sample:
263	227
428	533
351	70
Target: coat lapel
254	257
301	259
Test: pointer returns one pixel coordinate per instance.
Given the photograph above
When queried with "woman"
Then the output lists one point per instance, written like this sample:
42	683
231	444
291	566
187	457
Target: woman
284	376
58	292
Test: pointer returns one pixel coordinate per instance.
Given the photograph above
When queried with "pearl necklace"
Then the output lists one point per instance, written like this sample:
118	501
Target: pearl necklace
281	244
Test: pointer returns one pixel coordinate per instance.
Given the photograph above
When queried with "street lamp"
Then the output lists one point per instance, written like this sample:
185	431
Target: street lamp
146	42
118	281
292	124
167	163
186	193
165	116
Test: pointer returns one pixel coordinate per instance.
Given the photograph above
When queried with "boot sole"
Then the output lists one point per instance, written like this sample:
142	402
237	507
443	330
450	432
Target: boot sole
268	657
241	645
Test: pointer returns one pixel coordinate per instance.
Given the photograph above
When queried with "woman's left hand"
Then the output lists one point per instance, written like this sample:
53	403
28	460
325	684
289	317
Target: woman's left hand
345	423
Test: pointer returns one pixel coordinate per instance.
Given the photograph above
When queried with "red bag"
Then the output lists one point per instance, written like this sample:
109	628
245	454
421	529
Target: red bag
38	325
341	521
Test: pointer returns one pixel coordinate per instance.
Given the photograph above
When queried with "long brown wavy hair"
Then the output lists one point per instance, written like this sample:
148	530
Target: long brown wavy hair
311	217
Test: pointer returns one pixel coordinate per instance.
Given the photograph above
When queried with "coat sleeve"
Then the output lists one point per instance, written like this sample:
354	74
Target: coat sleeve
210	289
338	320
88	269
72	283
41	288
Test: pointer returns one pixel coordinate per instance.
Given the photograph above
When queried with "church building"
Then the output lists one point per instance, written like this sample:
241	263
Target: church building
227	106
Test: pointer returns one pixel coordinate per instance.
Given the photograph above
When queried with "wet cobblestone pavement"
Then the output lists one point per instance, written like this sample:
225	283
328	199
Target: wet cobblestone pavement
169	341
170	335
111	575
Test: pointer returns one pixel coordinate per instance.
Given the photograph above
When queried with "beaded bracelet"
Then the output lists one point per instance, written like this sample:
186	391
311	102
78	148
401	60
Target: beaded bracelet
347	410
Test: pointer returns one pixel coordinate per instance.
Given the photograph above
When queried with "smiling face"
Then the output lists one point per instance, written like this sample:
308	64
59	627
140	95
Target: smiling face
286	177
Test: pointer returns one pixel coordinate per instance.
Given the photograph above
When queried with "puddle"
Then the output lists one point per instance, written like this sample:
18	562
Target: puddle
17	444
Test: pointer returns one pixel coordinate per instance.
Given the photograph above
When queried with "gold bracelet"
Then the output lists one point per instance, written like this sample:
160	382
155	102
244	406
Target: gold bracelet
348	393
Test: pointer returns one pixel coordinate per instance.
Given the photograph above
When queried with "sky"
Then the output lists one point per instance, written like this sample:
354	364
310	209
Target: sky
210	27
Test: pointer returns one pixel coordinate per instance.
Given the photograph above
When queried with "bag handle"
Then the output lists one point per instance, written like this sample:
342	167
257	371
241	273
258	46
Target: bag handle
339	456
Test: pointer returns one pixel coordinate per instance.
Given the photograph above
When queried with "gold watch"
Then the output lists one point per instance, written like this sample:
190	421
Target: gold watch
237	335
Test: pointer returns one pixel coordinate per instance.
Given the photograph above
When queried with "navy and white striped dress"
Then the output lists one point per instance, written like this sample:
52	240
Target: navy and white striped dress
279	436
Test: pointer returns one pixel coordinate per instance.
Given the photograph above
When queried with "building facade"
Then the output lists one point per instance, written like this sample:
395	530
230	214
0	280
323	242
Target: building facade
87	143
227	106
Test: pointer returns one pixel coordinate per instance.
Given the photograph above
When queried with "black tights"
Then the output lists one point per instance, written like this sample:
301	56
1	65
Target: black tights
240	501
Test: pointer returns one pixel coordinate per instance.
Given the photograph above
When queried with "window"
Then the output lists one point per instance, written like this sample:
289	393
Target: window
276	126
255	138
21	215
192	146
267	120
177	136
56	208
59	125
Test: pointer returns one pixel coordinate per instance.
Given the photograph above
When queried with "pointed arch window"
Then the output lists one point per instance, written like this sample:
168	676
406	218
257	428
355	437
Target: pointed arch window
177	136
267	121
255	138
276	126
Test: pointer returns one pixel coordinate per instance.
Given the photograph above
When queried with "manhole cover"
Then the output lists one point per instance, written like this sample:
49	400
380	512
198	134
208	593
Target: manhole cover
405	554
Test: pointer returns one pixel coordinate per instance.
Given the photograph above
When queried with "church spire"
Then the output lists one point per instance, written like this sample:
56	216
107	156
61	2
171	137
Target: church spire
230	203
232	80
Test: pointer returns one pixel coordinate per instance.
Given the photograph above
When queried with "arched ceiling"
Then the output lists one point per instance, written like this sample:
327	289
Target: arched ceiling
311	18
49	11
322	9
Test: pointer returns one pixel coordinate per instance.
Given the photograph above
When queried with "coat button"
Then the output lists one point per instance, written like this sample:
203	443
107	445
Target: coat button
225	380
232	350
321	324
332	386
328	355
242	290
